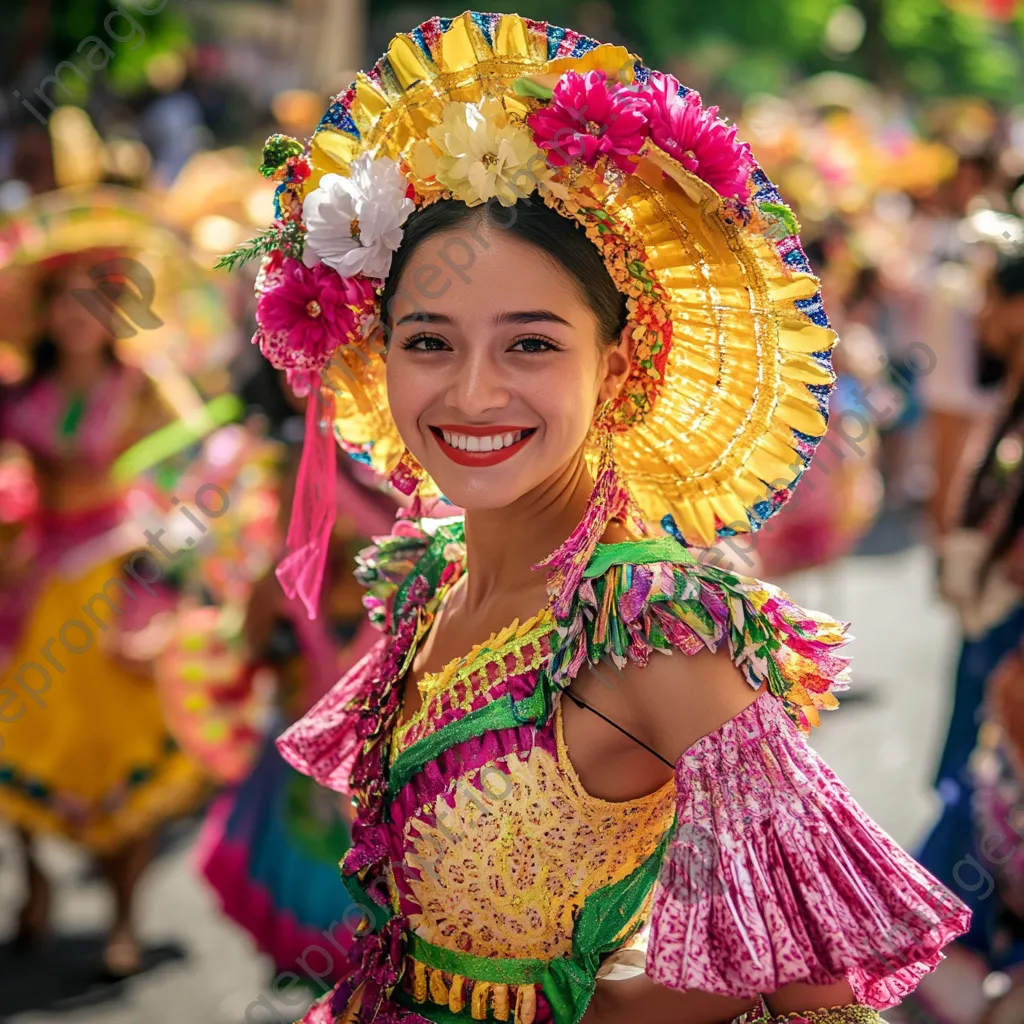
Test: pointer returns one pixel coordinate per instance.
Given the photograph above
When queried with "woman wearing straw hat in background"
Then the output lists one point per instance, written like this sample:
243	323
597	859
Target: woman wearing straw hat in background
546	282
92	760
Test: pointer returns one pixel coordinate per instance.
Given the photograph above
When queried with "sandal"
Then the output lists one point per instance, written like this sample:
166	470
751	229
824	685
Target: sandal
122	956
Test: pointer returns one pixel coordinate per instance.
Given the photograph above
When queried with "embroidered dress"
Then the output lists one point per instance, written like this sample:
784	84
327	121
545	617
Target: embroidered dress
494	885
84	751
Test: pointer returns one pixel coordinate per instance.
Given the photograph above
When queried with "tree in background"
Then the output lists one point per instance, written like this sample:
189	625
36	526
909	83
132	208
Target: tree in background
43	33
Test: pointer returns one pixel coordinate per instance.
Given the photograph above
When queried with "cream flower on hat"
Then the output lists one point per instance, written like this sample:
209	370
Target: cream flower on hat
354	224
477	154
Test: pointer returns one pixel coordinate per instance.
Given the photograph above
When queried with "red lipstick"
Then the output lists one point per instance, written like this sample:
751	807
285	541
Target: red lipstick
480	460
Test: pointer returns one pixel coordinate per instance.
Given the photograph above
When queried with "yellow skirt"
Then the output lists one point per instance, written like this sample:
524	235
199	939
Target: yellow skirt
84	751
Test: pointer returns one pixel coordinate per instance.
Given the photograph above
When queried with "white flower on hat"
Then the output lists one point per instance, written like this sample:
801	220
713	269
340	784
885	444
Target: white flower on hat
478	154
354	224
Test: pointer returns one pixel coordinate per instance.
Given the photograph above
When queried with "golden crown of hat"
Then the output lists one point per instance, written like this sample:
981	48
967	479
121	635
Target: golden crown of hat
728	394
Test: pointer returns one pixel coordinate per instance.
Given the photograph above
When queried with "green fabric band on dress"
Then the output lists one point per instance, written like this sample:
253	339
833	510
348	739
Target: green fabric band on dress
636	552
498	970
503	713
378	915
432	562
600	925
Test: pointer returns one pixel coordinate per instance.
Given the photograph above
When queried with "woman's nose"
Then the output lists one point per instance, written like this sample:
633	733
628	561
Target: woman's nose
479	386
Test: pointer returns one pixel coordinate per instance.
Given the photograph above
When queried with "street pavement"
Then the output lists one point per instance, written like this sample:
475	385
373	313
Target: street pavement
200	969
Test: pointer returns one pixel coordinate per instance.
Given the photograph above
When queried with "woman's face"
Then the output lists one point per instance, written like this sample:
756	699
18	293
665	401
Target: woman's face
69	323
494	372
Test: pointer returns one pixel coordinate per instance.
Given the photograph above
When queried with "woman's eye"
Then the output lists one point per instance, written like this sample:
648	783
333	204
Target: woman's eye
425	343
534	345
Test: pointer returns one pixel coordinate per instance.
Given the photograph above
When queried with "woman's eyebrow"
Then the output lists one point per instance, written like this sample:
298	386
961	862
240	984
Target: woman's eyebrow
423	317
531	316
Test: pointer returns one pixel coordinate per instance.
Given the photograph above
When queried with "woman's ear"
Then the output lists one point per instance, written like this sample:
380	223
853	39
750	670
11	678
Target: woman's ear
617	362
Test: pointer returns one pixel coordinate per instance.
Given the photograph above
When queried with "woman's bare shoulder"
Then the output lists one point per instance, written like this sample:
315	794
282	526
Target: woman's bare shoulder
681	697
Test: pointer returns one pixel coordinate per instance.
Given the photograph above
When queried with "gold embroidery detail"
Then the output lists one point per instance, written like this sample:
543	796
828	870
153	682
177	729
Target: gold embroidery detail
850	1014
501	1002
438	989
419	982
503	871
472	673
526	1004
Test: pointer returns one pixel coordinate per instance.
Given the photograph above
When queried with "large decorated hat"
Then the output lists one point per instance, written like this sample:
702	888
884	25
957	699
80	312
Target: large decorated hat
728	393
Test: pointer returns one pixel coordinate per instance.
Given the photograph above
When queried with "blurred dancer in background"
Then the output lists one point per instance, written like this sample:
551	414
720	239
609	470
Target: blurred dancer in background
951	294
975	846
91	760
271	847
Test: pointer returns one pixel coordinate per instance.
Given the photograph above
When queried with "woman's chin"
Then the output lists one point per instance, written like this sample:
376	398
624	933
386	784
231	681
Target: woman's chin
479	495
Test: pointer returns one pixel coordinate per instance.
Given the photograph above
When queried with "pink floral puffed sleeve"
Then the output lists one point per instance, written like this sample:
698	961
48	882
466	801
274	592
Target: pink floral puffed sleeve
775	875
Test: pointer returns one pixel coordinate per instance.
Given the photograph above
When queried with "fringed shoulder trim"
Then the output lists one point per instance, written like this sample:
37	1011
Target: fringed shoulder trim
388	563
652	595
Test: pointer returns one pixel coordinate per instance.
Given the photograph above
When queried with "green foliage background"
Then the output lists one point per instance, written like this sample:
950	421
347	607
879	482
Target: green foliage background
68	22
926	47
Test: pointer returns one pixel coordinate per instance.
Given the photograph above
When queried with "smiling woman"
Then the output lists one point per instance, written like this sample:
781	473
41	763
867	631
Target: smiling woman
523	348
596	317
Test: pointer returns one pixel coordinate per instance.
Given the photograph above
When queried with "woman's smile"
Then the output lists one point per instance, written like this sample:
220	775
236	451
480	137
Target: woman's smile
481	446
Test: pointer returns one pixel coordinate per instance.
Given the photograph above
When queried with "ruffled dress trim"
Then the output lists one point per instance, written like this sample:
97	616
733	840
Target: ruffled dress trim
652	595
775	875
324	743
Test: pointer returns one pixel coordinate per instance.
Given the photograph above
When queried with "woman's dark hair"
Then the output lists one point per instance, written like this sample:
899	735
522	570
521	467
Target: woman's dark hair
1009	277
988	486
561	240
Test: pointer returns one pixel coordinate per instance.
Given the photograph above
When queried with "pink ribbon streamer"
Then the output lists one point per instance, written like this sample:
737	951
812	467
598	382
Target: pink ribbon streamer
314	509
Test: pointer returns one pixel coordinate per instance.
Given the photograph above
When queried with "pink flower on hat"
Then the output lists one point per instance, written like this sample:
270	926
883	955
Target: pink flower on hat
588	118
696	137
306	313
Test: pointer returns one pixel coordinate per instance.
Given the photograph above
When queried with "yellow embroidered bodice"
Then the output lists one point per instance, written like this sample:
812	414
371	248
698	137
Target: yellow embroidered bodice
496	846
506	859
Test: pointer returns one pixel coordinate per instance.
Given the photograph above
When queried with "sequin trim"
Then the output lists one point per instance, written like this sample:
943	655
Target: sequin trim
836	1015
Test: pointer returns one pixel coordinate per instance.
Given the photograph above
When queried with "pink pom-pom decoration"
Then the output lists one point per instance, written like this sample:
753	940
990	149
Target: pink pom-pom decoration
696	137
589	118
305	313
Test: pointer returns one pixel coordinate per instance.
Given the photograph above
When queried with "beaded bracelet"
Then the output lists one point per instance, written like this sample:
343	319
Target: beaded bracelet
850	1014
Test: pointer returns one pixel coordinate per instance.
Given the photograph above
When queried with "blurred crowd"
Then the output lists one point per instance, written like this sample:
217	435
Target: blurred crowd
914	220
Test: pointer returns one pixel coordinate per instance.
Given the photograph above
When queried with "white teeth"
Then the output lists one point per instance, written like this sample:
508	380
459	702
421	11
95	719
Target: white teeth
472	443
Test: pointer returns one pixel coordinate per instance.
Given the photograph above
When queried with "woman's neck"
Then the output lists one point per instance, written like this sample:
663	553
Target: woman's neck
80	371
503	545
